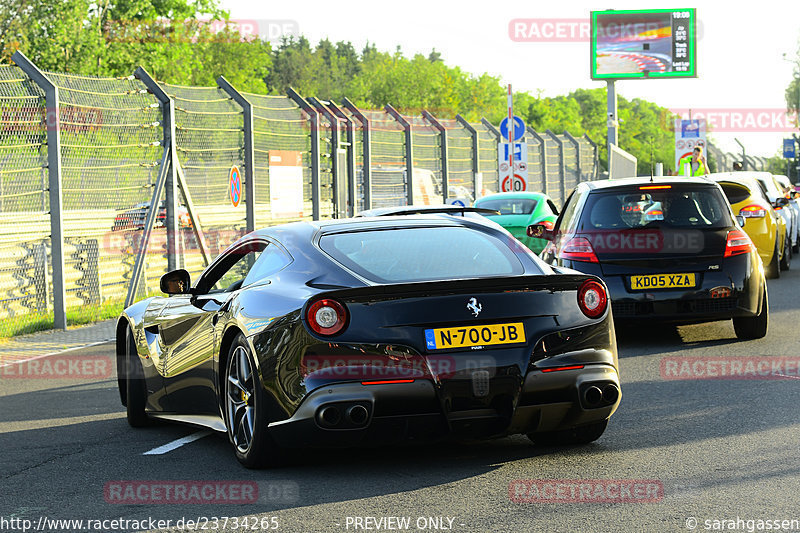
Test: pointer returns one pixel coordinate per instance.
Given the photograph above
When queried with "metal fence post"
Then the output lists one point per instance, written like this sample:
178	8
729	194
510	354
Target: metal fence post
595	158
443	144
409	157
498	138
475	152
562	169
166	169
168	123
578	160
335	170
351	156
249	156
542	157
366	155
52	123
313	117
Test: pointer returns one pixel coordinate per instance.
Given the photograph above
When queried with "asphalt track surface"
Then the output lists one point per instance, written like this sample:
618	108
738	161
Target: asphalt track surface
714	449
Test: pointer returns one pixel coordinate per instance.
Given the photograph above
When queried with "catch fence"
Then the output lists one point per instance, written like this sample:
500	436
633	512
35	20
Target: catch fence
107	183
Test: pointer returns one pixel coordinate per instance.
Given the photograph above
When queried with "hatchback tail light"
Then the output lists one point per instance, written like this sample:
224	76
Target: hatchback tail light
592	299
578	249
753	211
738	243
327	317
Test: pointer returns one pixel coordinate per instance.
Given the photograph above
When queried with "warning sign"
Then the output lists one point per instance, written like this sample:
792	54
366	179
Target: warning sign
235	185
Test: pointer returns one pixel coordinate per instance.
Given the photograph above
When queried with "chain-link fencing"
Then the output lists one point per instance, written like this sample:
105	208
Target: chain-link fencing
125	143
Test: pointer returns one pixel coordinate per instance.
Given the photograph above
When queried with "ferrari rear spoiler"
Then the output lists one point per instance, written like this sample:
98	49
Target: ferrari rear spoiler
535	282
425	210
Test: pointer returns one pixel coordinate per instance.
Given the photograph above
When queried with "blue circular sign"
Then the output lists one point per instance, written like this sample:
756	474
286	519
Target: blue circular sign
519	128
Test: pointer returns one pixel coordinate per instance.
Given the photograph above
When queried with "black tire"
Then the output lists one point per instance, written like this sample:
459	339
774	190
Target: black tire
135	385
753	327
786	260
578	435
252	444
773	270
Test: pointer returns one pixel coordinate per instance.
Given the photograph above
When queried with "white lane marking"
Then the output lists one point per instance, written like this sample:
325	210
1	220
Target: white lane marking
178	443
20	361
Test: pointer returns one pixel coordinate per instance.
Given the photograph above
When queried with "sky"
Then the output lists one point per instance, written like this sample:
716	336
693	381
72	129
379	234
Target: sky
744	51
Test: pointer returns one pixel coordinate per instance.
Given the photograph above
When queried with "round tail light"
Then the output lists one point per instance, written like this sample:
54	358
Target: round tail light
592	299
326	317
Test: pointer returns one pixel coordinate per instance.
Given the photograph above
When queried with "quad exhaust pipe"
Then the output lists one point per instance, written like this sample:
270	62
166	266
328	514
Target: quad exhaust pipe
343	416
600	395
357	415
593	396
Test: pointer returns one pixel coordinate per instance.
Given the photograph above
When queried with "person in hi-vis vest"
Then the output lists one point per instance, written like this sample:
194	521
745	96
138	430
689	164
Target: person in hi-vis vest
697	163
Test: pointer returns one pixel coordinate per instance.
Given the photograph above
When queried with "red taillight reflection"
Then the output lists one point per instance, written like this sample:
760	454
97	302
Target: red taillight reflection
387	382
738	243
578	249
753	211
559	368
592	299
326	317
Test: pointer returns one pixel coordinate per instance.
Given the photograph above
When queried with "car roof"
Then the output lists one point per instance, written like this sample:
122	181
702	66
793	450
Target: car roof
751	174
655	180
518	194
742	178
306	229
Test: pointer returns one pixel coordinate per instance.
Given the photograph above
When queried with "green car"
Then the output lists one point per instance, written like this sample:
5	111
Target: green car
518	210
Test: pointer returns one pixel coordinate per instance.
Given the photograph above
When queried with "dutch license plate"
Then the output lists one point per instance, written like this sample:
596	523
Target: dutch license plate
662	281
469	336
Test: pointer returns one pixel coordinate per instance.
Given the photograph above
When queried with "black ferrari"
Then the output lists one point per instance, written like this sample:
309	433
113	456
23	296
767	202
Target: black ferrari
374	329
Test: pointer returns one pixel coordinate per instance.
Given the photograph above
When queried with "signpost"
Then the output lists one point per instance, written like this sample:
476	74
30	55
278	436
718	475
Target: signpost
788	149
689	134
518	179
512	163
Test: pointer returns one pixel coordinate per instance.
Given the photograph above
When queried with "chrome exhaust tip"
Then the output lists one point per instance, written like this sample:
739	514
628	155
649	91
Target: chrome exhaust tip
357	415
592	396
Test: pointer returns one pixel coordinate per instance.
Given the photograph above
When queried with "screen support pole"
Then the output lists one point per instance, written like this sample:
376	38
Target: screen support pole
613	122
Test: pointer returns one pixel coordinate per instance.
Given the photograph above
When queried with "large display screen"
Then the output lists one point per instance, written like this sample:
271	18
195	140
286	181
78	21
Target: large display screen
653	43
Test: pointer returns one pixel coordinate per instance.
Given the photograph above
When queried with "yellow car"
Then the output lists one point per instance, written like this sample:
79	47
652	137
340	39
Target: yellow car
765	227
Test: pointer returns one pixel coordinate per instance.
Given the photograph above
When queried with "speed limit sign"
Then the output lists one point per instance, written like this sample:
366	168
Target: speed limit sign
515	184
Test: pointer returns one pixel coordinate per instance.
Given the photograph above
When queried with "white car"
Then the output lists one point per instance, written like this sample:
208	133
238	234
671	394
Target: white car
777	198
794	205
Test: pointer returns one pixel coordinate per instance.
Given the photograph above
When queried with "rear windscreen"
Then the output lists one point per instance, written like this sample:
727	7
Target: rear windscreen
510	206
656	206
735	193
422	254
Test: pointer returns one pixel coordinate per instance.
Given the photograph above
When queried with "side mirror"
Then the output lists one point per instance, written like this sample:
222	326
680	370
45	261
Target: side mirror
540	231
176	282
781	202
741	220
